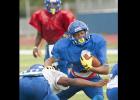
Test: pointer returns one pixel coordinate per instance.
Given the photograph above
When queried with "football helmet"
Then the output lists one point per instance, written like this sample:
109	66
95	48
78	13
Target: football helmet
52	6
76	27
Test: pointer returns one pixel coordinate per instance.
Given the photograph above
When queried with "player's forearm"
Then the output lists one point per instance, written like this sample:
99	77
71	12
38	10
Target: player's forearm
38	39
100	70
76	82
42	42
83	82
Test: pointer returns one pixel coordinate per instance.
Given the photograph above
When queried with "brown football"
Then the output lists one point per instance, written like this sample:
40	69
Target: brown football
95	62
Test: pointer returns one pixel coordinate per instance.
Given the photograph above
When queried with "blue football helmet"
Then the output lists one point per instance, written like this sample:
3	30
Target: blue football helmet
75	27
35	68
52	6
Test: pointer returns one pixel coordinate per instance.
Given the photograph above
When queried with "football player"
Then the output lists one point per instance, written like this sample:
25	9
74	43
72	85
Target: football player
51	23
112	85
70	49
40	83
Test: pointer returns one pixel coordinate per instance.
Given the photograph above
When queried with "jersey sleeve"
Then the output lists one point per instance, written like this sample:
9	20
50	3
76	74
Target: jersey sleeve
55	51
35	22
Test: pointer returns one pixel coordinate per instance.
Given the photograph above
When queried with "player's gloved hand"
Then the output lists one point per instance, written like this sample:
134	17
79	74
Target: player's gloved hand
36	52
87	64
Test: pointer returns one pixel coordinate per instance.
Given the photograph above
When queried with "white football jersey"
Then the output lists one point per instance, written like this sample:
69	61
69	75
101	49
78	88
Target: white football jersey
53	76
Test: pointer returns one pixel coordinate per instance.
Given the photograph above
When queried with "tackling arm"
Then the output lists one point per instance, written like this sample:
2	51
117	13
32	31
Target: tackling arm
65	81
100	70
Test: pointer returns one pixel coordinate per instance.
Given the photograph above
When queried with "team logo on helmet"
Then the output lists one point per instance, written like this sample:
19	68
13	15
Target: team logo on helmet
78	29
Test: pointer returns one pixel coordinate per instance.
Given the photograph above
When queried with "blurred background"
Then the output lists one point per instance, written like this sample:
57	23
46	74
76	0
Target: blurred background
101	16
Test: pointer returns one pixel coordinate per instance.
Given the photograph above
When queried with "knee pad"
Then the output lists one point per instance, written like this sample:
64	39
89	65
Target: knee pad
98	97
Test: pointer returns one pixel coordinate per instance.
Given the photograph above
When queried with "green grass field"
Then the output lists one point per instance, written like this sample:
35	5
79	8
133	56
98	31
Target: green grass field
27	60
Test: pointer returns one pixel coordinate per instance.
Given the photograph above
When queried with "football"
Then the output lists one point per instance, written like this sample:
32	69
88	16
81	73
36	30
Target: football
87	55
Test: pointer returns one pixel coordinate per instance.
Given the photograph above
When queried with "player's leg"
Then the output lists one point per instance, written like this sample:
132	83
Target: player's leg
66	94
50	96
24	89
33	88
47	54
48	50
98	97
95	93
112	94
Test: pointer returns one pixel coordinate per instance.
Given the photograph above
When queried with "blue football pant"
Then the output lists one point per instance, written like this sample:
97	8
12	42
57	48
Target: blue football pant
47	54
112	94
35	88
95	93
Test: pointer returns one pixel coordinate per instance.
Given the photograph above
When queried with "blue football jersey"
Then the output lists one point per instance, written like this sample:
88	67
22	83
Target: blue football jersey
65	50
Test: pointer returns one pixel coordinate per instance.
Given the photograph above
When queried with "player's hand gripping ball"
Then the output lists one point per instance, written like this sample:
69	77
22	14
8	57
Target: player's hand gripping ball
88	61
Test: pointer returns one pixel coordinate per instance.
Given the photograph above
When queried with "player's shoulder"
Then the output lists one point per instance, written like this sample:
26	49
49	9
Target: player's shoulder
38	12
63	42
97	37
66	13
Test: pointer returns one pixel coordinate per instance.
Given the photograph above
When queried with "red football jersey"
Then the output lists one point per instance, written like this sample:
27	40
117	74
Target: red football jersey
51	27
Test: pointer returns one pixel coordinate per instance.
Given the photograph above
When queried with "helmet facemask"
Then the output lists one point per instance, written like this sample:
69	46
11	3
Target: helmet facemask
52	6
80	41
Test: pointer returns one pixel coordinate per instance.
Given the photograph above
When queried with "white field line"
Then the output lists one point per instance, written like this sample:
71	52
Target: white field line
29	52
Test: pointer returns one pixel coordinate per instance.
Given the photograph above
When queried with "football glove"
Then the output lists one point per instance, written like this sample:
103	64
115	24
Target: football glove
87	64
